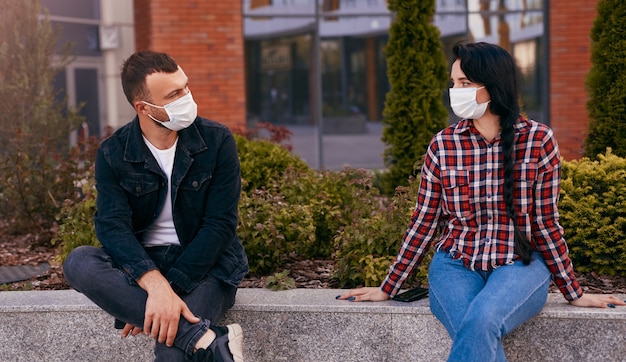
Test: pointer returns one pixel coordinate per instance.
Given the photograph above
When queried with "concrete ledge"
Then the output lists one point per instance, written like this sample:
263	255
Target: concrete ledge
303	325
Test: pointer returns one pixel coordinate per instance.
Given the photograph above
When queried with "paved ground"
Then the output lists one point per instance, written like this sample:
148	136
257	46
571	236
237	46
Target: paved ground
363	150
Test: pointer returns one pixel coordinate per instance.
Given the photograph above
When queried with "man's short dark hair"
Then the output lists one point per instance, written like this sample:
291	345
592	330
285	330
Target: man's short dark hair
138	66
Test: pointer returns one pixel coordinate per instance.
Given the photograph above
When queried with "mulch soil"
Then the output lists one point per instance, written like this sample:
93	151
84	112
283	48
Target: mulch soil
29	250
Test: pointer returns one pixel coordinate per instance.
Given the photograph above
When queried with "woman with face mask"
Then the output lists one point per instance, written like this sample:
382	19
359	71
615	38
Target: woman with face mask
488	202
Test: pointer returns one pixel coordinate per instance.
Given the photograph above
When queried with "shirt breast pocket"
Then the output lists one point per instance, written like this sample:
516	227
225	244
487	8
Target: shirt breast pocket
456	192
525	176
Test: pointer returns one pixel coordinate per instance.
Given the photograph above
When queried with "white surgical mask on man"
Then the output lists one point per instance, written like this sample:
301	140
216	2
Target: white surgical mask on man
181	112
464	105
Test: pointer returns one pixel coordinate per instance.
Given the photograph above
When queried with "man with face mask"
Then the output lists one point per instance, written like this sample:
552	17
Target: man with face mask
168	187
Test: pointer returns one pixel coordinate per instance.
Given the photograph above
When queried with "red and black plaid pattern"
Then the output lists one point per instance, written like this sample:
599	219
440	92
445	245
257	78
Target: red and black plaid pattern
460	200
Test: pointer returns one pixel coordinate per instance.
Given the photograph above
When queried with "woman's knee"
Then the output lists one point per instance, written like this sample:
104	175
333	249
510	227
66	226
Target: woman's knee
485	317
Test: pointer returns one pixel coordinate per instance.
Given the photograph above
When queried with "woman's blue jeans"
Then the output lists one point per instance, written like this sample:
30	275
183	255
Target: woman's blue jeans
478	308
91	271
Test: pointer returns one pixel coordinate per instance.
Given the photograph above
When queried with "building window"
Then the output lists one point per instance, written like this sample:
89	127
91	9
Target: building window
353	35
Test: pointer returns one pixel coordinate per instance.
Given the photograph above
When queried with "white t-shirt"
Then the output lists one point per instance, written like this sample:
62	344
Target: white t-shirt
162	231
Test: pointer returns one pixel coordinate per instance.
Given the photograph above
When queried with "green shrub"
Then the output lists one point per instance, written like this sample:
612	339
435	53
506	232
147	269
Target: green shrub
280	281
263	162
414	109
300	214
76	220
606	81
367	247
269	226
593	213
282	193
335	199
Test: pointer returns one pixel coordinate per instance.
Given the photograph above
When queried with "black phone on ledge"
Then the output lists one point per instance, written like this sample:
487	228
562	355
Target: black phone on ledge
412	295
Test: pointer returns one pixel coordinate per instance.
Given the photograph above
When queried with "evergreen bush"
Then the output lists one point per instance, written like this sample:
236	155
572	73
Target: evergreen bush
75	217
606	81
367	246
593	213
335	198
414	109
263	162
292	209
269	228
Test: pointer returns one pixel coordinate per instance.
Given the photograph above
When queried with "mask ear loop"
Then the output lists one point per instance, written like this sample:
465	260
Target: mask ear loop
488	101
151	116
153	105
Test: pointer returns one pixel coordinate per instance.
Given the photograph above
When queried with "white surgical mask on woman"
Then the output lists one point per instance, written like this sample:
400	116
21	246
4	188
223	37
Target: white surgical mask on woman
464	105
181	112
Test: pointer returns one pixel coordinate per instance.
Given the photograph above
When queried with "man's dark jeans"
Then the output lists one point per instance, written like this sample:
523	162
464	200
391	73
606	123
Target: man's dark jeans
91	271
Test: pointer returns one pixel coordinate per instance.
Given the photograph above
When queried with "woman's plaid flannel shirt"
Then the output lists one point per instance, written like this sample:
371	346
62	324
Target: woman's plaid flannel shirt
461	195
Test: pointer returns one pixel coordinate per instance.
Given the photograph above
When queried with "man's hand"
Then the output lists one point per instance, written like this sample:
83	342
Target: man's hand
163	308
131	330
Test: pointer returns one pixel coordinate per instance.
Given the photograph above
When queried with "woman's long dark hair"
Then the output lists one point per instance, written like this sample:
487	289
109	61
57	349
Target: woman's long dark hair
494	67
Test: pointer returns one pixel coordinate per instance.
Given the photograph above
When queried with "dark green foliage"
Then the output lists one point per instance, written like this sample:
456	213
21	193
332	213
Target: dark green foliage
368	245
593	213
294	210
75	220
335	199
262	162
34	124
280	281
606	81
269	228
414	109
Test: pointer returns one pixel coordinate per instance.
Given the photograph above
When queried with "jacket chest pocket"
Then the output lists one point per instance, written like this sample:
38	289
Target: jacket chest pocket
143	195
193	190
456	192
196	182
139	185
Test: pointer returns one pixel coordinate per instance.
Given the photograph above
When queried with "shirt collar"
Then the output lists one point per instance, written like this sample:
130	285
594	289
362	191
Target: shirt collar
189	139
522	125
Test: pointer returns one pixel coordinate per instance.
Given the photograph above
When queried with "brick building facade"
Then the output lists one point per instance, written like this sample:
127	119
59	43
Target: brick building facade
206	37
570	61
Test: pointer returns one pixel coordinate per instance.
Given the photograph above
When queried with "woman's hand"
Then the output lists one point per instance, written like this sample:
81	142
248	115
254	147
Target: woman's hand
373	294
598	301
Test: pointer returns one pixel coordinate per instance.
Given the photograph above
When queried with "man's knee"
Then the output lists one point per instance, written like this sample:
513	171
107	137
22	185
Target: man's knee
75	262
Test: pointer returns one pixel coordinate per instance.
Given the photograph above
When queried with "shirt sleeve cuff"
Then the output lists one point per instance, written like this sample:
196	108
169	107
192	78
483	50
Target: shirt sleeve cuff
389	287
572	292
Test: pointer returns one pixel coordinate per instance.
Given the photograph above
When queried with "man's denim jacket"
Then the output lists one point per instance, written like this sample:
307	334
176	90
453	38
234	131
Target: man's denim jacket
206	186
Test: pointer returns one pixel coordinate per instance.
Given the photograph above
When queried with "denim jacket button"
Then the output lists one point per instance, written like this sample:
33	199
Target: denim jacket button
138	188
194	184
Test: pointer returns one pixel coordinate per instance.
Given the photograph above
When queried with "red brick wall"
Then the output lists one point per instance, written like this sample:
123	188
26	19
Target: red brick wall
206	39
570	61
